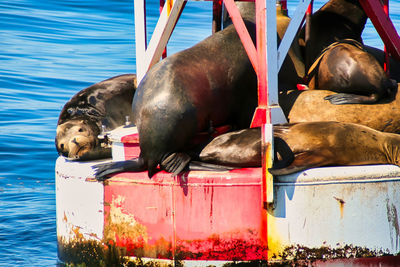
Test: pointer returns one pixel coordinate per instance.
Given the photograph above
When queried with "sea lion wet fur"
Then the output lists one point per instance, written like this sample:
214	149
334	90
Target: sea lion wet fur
80	121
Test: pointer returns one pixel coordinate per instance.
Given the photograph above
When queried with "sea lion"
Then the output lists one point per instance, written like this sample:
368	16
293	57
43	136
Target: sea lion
348	69
292	70
80	122
210	84
308	106
334	21
394	65
302	146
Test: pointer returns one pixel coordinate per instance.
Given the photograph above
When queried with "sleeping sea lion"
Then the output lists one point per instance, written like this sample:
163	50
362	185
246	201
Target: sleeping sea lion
210	84
302	146
80	122
308	106
348	69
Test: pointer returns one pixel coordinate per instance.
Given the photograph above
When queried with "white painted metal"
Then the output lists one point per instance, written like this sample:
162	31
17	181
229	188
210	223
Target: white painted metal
160	37
80	207
116	135
140	37
291	31
272	59
337	206
268	135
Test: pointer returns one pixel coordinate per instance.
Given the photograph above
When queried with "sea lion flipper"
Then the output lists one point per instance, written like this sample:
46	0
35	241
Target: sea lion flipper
203	166
302	161
344	98
104	170
175	163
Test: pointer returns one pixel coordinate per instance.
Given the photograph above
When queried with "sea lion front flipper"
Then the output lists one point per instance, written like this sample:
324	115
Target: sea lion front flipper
175	163
104	170
343	98
302	161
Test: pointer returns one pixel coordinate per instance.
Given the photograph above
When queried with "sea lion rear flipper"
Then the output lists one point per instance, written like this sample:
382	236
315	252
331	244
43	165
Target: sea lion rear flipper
302	161
104	170
343	98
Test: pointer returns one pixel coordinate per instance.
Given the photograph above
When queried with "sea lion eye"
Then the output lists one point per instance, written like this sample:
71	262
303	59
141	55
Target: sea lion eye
80	130
62	146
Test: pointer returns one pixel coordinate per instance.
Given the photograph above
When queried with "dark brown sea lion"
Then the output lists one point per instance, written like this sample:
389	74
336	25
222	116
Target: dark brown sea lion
80	122
308	106
394	65
211	83
292	70
334	21
302	146
347	68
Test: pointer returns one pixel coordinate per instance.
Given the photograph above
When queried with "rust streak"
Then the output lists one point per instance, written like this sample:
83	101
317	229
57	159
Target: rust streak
341	206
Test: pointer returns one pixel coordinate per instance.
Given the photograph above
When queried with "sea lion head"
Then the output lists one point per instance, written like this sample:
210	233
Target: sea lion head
75	138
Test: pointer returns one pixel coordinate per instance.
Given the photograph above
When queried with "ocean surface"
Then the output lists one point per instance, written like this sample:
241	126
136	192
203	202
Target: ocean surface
50	50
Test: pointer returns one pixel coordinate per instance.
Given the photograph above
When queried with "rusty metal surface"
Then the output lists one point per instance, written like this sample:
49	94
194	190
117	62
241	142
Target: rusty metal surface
215	216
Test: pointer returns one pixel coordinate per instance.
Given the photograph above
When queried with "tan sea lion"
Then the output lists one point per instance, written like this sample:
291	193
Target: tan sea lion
80	121
308	106
302	146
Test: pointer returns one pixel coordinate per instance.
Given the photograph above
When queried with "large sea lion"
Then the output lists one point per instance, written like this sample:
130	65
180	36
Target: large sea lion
308	106
334	21
210	84
292	70
80	122
302	146
347	68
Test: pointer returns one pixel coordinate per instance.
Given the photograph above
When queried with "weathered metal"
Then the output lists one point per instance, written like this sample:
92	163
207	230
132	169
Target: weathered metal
318	214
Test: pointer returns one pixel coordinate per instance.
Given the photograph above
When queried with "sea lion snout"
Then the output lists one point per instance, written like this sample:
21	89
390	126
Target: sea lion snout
74	138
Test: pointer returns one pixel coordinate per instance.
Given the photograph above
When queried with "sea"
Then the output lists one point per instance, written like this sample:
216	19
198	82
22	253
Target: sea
50	50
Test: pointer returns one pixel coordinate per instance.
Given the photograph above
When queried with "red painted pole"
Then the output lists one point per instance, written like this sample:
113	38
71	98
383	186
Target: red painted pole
386	64
261	54
164	53
308	29
383	25
242	32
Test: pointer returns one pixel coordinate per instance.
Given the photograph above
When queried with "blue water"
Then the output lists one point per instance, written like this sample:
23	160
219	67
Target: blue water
49	50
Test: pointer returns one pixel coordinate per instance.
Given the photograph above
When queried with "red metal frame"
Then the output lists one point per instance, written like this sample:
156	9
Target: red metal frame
384	26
